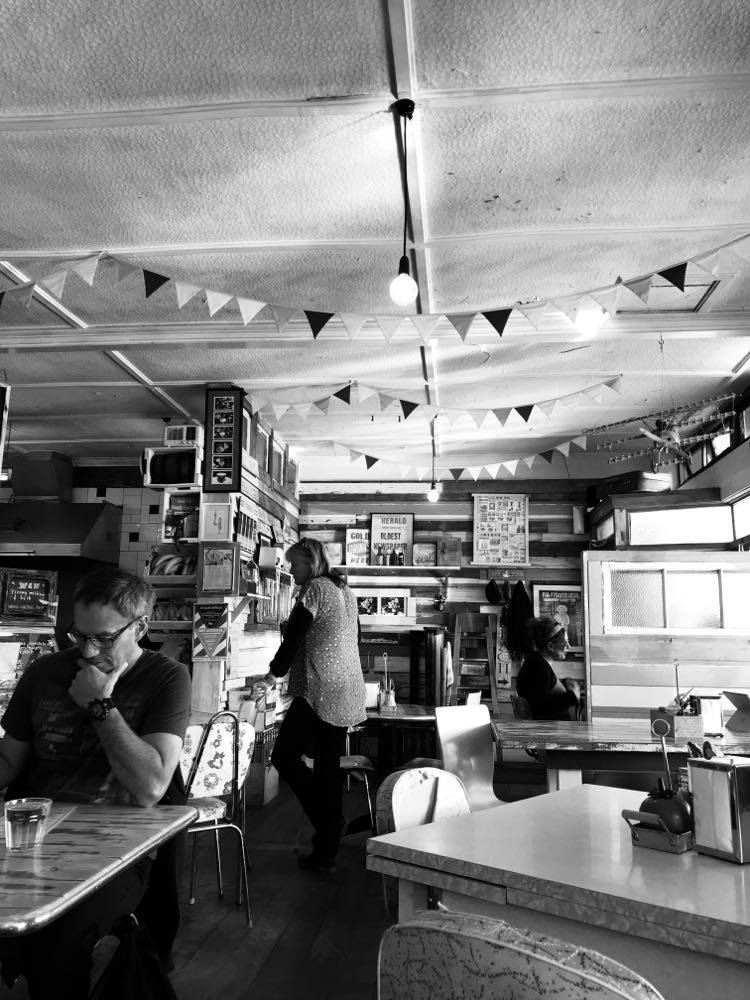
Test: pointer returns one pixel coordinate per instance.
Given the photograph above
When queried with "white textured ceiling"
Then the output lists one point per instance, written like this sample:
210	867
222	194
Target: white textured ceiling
250	149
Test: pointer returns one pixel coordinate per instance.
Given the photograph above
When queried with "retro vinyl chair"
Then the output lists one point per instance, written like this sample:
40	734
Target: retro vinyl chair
215	761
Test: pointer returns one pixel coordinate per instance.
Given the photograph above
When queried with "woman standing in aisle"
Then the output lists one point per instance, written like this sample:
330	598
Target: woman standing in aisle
537	682
321	654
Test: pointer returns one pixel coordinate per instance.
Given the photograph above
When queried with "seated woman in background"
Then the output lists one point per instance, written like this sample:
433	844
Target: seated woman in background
548	697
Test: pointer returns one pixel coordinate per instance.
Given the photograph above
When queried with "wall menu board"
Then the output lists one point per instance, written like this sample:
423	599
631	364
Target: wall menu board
29	593
501	529
223	463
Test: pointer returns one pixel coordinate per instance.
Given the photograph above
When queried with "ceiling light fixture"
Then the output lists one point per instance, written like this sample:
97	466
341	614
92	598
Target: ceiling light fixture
436	487
404	288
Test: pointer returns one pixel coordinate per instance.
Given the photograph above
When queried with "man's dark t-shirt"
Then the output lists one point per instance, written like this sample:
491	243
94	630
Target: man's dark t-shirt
68	761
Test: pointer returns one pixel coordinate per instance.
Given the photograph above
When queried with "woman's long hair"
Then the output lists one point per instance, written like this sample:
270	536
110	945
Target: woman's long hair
543	630
311	551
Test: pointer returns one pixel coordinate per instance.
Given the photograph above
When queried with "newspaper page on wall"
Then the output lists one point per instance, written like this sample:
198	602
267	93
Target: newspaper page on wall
501	529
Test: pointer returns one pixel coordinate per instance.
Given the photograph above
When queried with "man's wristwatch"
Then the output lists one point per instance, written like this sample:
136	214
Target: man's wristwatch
99	708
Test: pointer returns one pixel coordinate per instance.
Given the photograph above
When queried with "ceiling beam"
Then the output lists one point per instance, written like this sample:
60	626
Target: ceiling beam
707	83
219	333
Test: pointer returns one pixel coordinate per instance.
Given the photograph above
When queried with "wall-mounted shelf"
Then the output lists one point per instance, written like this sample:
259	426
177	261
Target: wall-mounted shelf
394	569
168	626
189	580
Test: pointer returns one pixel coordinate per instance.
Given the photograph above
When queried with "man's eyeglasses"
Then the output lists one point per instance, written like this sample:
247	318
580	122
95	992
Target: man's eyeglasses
100	641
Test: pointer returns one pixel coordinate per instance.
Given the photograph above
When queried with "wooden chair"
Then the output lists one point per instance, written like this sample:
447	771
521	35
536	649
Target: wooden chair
467	748
215	760
457	956
412	798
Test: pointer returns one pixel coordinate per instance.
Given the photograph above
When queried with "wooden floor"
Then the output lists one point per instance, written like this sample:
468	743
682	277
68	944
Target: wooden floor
313	937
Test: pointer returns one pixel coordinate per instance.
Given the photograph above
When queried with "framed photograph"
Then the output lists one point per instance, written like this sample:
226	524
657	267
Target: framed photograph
367	604
425	554
218	568
449	550
385	605
391	537
565	605
501	529
223	461
30	593
357	546
335	553
392	606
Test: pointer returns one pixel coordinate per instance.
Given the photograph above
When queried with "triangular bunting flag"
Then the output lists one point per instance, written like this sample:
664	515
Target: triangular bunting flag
258	401
216	300
547	406
568	307
563	448
502	415
385	401
615	385
533	313
640	287
389	325
428	411
282	315
122	268
86	269
344	394
478	416
55	282
529	460
609	298
370	461
492	470
323	404
353	323
279	409
354	455
456	473
524	411
596	392
474	472
580	442
741	248
462	322
302	409
548	455
22	293
421	471
153	281
424	325
185	292
408	407
365	392
675	275
2	296
249	309
317	321
498	319
511	466
710	262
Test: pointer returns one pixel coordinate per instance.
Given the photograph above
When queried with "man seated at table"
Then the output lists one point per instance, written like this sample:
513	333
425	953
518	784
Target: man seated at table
101	722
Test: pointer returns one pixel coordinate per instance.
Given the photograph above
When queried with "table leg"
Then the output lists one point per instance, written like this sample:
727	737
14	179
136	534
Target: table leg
411	898
563	777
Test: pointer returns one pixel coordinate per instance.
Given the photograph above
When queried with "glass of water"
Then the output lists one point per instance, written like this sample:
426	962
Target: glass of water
25	822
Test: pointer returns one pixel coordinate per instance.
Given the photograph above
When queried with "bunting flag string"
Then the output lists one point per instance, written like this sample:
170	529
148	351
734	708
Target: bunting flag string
735	253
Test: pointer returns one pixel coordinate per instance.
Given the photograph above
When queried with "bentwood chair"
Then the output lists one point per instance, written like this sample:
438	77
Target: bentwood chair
467	748
215	761
457	956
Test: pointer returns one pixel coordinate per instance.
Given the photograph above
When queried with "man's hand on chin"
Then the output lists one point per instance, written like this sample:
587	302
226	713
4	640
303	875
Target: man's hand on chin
95	679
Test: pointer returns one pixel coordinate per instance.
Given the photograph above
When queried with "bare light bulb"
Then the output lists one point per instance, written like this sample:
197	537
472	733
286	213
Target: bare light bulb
404	288
433	494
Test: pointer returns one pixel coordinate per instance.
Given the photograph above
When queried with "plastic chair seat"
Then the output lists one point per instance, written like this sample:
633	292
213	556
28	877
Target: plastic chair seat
356	762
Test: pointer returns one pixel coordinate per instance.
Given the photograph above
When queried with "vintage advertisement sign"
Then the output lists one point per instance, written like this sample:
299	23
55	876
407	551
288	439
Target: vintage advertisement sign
565	605
357	546
210	631
391	538
501	529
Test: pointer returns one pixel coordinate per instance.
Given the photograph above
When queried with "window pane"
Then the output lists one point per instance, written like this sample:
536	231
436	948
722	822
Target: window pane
736	599
693	600
637	599
691	525
742	518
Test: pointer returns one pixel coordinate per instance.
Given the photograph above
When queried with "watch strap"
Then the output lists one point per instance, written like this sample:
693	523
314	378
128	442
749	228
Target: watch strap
99	708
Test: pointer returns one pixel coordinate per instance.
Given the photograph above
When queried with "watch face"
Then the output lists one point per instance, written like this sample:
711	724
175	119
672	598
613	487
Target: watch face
100	708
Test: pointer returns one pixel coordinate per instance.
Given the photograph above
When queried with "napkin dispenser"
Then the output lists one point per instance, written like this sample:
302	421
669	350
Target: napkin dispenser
721	807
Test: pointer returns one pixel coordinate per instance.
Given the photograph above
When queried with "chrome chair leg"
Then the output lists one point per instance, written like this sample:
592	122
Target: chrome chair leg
244	896
193	868
219	879
369	801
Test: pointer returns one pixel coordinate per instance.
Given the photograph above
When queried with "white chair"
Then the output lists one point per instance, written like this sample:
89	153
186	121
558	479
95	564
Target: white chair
473	698
467	748
412	798
457	956
215	761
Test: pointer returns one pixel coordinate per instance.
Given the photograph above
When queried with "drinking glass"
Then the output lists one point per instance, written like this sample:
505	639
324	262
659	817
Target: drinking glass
25	822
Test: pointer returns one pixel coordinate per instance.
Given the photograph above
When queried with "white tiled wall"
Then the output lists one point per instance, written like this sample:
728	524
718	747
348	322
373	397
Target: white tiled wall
137	519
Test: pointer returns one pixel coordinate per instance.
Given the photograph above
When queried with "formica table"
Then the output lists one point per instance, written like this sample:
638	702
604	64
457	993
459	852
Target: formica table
568	748
563	864
393	728
85	846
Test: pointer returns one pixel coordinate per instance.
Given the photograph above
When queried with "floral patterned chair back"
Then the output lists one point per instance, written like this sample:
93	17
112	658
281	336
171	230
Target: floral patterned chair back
459	956
207	760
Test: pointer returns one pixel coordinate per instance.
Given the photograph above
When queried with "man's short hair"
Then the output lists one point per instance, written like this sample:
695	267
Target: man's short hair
129	594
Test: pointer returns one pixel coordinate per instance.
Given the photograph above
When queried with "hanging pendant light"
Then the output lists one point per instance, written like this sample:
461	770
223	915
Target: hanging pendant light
436	487
403	288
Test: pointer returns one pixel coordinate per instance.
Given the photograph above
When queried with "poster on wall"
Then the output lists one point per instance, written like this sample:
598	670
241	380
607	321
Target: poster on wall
501	529
357	546
391	539
565	605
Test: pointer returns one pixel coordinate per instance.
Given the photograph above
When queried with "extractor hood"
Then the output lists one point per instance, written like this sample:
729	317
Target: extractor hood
52	528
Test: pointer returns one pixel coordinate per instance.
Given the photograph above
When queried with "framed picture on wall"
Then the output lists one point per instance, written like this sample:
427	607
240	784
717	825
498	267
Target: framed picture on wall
565	605
391	537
